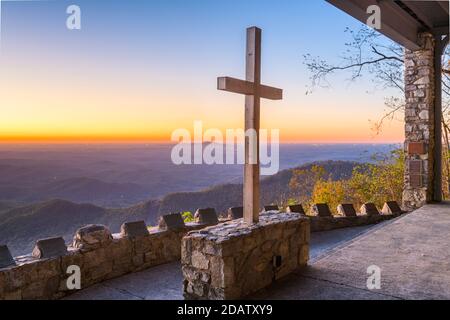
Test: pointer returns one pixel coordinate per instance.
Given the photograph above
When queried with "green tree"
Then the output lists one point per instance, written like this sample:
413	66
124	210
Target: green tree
188	217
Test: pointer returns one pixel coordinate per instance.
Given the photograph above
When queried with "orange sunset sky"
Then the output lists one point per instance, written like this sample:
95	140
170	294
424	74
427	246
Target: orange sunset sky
137	71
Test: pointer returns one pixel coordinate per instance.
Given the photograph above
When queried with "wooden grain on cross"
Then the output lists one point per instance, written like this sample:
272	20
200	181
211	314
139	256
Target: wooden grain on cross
253	90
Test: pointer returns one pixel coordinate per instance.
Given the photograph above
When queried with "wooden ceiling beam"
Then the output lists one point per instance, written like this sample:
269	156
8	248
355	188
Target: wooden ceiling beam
445	6
396	24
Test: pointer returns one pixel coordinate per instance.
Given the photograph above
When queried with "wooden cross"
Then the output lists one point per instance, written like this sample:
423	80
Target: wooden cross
253	91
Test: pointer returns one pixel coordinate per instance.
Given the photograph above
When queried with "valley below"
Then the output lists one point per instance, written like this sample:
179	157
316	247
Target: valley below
48	191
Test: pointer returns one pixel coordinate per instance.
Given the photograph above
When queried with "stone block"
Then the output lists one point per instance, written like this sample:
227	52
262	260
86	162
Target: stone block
415	167
306	234
145	244
321	210
49	248
13	295
74	257
206	216
91	237
41	289
303	255
415	181
234	259
6	259
96	274
173	221
199	261
45	269
95	258
271	208
346	210
107	258
370	209
391	207
134	229
296	208
236	213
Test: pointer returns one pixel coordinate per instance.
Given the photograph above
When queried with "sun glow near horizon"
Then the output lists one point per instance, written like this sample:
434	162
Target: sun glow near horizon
140	80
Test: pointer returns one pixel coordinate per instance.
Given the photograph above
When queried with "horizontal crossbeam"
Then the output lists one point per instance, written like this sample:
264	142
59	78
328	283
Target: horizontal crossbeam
248	88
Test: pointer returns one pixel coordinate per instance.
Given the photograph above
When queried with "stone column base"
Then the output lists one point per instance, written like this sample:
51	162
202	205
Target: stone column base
414	198
235	259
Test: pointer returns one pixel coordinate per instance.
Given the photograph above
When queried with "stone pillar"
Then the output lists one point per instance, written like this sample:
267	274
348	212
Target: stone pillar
419	124
234	259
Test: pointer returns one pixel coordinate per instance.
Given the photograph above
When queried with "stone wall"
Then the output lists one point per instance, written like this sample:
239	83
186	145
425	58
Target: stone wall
234	259
99	255
330	223
419	124
321	218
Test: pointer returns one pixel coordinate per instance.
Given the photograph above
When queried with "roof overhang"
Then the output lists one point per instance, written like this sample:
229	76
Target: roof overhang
402	21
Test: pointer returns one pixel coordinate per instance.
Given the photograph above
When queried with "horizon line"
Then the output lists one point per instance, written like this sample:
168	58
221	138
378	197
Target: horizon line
155	142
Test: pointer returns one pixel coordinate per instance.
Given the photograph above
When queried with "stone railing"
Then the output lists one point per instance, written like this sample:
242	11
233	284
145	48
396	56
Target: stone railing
322	219
97	254
100	255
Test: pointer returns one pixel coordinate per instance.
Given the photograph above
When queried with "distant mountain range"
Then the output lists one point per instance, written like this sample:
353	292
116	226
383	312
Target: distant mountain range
77	190
119	176
21	227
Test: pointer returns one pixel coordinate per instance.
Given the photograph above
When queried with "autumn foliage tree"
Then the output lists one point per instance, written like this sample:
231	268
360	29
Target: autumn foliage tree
377	182
331	192
304	179
380	181
369	54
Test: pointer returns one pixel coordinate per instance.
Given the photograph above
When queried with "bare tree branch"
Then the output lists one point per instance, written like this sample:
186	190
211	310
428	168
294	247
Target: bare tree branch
382	61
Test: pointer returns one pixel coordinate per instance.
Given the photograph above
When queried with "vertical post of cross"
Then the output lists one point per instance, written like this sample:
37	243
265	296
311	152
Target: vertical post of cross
253	90
252	123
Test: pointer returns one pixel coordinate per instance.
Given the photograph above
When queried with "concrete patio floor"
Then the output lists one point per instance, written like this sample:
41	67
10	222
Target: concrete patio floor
412	252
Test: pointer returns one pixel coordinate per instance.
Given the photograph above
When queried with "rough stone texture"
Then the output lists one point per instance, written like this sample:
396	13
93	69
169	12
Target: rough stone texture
414	266
236	213
172	221
163	282
234	259
296	208
271	208
369	209
109	258
419	123
331	223
6	259
391	207
34	278
320	210
346	210
206	216
91	237
134	229
49	248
